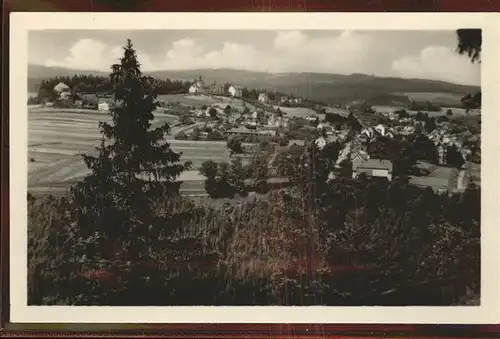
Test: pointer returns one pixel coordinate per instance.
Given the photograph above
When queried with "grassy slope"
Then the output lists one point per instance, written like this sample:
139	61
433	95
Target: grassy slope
57	137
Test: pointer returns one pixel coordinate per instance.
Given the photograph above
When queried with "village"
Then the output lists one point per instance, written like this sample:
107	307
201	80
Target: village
260	119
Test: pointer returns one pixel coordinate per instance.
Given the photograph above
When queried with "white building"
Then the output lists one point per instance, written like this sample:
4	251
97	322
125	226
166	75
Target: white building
198	87
65	95
236	91
103	106
373	168
263	97
321	142
380	129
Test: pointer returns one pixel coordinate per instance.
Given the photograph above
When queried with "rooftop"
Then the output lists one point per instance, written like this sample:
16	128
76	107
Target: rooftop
373	164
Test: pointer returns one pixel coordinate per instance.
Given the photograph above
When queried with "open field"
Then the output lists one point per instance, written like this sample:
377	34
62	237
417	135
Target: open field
444	99
457	112
298	111
200	100
56	138
188	100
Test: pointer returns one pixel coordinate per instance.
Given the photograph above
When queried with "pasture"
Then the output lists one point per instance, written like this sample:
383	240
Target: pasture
56	138
188	100
443	99
298	111
456	112
200	100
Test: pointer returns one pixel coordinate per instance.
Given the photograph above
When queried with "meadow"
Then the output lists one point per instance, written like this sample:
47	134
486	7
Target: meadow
443	99
57	137
200	100
456	112
297	111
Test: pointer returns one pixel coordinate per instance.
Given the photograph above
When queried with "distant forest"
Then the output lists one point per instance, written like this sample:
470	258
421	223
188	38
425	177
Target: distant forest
101	85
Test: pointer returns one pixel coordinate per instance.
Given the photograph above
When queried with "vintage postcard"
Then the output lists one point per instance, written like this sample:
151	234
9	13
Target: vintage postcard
260	168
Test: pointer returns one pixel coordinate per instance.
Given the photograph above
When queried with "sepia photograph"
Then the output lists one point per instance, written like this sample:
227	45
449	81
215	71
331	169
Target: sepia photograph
240	167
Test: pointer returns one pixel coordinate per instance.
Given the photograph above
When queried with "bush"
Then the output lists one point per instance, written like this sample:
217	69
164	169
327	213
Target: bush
250	253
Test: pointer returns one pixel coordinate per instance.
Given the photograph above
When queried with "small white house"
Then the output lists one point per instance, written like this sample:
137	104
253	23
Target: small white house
236	91
380	129
320	142
368	132
65	95
263	97
198	87
103	106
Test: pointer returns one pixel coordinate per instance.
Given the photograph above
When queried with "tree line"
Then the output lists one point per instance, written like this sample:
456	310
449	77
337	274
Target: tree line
101	85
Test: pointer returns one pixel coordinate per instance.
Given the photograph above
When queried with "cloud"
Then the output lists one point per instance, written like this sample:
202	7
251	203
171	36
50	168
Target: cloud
440	63
287	51
91	54
291	51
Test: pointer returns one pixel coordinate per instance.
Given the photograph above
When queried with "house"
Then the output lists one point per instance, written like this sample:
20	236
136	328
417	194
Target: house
103	106
236	91
65	95
297	101
216	89
243	131
284	99
327	129
368	132
381	129
311	118
198	87
442	154
272	121
380	168
61	87
321	142
255	115
263	97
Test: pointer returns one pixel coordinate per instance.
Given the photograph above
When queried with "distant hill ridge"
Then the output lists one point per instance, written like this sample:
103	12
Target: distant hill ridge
316	86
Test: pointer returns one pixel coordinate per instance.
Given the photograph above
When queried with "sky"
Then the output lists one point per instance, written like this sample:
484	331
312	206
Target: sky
406	54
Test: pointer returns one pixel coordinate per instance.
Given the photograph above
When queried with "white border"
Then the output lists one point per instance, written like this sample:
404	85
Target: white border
21	23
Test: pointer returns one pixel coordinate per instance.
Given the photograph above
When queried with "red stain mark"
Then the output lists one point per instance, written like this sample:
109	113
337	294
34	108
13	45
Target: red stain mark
105	277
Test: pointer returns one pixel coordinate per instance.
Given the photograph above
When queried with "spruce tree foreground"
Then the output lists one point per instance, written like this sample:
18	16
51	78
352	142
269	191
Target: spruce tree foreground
114	205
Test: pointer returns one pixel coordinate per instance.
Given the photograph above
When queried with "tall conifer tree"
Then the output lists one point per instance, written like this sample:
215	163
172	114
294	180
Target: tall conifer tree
133	167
